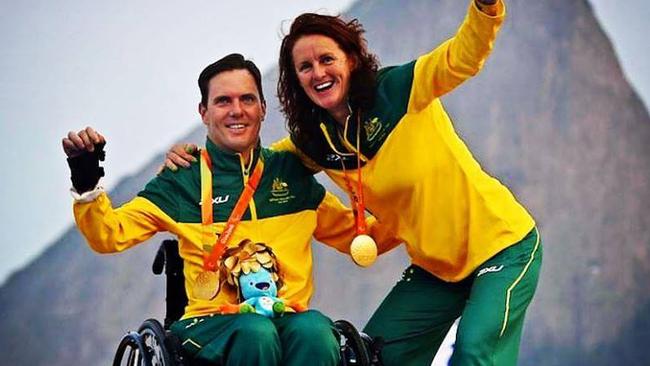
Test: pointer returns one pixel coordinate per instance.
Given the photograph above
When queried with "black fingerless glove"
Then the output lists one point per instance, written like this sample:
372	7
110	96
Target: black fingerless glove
85	170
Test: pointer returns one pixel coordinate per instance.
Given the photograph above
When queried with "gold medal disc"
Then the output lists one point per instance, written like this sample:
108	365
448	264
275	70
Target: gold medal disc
363	250
206	285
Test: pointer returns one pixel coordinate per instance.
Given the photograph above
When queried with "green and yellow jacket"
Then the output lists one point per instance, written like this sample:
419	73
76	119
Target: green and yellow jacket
418	176
288	207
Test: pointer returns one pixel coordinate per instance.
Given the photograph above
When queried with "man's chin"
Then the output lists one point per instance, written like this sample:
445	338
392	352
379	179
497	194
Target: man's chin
243	147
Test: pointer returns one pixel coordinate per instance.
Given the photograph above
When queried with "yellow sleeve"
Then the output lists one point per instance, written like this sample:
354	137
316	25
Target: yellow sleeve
384	236
336	227
458	58
286	144
109	230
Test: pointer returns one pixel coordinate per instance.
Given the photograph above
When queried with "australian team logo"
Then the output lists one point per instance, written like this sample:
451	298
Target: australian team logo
280	191
279	188
372	127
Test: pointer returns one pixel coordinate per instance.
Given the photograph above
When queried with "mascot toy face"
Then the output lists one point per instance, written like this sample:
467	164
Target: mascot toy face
257	284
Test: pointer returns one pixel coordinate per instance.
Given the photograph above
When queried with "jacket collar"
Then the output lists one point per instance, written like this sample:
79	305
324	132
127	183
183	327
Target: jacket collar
332	134
231	162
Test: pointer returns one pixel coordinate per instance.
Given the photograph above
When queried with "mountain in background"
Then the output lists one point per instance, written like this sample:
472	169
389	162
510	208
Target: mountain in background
551	115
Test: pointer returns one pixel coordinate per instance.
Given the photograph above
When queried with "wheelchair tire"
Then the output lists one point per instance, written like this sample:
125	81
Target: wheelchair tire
131	342
374	347
354	351
153	339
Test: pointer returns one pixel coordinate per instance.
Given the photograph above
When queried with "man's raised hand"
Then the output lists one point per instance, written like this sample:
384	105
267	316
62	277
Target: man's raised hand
76	143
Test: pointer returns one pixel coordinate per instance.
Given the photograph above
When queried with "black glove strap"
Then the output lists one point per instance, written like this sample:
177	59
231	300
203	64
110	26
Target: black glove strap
85	170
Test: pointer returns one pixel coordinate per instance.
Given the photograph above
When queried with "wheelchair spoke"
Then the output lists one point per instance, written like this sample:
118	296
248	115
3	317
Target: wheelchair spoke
353	348
153	348
153	339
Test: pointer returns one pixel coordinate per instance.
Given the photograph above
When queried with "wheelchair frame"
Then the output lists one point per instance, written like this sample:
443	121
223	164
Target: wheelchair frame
153	344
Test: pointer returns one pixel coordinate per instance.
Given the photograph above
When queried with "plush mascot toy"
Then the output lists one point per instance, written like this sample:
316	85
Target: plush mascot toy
259	293
252	269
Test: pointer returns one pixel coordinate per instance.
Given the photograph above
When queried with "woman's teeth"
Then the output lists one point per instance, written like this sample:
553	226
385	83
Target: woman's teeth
324	86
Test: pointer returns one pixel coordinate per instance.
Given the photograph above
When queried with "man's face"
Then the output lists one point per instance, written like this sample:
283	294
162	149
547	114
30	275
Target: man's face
234	111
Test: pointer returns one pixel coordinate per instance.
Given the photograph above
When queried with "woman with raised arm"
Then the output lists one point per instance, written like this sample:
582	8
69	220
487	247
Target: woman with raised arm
384	136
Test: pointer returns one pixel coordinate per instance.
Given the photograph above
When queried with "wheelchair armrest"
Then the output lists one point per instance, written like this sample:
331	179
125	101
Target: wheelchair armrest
159	261
168	259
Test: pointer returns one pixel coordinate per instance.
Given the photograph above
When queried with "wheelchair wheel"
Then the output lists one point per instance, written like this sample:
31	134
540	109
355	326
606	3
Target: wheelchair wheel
153	339
131	345
373	346
353	347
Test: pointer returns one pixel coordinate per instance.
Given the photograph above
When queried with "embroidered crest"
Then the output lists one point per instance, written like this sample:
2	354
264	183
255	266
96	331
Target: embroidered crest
280	192
372	127
279	188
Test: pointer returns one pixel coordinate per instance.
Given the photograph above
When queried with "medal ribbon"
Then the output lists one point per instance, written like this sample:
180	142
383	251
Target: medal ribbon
356	197
210	261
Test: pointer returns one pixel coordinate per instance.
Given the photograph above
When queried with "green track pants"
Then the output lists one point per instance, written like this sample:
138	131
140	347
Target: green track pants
418	312
307	338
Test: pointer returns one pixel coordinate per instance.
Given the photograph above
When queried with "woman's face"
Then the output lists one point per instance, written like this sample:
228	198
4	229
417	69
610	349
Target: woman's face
323	71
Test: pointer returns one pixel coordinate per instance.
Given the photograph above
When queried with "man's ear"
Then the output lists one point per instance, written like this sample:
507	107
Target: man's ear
202	112
263	111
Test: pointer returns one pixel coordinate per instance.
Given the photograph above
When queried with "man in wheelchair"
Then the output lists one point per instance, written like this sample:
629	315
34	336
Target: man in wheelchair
154	345
236	190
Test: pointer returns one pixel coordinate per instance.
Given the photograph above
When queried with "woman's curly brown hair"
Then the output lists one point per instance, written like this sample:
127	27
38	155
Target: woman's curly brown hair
298	109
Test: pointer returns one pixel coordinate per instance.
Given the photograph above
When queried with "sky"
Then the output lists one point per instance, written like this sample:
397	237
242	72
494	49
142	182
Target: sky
129	68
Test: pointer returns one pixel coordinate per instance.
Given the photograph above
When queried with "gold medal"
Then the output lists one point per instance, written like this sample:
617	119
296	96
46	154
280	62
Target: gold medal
206	285
363	250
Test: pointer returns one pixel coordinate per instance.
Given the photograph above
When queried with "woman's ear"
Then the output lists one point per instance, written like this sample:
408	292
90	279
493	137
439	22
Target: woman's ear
353	62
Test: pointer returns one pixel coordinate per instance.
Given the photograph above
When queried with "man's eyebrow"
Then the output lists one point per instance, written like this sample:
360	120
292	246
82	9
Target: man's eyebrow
220	98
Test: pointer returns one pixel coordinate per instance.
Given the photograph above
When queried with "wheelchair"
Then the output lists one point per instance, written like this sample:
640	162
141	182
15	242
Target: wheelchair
153	344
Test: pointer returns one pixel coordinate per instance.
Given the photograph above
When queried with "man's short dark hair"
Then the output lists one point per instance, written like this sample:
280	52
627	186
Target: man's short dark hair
234	61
